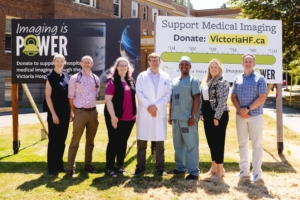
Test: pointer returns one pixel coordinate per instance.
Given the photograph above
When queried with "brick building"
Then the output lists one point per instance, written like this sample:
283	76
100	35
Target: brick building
146	10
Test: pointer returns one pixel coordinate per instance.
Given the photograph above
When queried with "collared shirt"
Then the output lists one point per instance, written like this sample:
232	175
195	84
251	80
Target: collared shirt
155	79
83	91
247	90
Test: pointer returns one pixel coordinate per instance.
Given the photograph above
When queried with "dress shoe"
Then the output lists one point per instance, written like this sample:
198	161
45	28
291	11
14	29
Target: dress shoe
162	173
53	173
90	169
138	171
192	177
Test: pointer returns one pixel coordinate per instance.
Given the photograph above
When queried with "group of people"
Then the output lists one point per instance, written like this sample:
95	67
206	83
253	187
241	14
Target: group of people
144	102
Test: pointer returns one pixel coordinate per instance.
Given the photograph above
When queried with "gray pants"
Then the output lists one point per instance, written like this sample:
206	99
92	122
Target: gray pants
141	154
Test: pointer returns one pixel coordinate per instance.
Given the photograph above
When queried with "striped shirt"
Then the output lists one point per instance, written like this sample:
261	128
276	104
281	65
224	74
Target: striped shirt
247	90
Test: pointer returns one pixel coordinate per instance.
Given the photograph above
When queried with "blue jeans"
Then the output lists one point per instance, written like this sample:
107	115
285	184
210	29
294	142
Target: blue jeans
186	145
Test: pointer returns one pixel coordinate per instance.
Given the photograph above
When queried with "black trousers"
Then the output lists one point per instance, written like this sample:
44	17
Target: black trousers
57	138
117	142
215	135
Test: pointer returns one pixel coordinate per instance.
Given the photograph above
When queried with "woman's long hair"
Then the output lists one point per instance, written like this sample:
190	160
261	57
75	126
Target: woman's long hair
208	77
114	69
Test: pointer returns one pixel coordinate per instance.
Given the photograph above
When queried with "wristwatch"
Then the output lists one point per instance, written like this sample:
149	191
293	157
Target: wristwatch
248	107
191	116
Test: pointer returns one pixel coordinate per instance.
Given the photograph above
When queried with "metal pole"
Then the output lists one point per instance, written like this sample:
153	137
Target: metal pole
188	8
279	118
286	77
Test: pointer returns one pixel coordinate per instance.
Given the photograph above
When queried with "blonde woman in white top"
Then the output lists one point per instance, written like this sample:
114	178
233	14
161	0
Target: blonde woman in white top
214	113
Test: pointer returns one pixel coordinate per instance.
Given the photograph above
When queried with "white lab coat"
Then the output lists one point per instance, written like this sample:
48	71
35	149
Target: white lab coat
148	127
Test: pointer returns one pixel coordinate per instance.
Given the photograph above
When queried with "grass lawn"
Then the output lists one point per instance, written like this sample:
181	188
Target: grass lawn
24	175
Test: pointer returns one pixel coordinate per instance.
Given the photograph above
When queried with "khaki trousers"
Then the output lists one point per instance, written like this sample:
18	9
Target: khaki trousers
82	120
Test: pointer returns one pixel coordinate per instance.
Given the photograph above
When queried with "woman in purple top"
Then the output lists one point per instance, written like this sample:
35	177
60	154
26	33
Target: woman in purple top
120	114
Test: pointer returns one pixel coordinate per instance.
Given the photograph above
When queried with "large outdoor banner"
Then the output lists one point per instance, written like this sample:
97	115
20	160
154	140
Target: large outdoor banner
36	41
203	39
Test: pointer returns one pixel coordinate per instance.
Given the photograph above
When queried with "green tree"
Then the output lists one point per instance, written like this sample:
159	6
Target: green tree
288	11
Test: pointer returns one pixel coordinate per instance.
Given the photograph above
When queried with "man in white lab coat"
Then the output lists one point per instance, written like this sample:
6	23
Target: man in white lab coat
153	90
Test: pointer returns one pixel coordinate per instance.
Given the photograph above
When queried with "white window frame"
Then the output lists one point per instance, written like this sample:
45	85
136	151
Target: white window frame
119	11
7	88
8	32
134	7
154	12
92	3
145	13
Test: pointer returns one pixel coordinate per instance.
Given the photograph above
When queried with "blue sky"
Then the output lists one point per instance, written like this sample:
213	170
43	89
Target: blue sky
207	4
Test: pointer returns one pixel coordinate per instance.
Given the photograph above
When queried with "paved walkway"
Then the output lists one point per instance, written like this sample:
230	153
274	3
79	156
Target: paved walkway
291	117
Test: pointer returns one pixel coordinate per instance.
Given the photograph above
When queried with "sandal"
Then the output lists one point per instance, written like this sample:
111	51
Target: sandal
111	173
121	170
211	172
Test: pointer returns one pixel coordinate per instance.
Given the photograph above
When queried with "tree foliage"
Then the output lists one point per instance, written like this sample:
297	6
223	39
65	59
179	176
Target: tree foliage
288	11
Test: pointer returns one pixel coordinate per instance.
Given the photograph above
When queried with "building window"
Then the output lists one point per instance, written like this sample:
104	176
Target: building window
134	9
8	88
145	31
145	13
117	7
154	14
86	2
8	34
165	14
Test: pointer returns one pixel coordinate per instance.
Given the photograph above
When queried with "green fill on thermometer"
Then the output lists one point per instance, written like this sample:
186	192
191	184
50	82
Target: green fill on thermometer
224	58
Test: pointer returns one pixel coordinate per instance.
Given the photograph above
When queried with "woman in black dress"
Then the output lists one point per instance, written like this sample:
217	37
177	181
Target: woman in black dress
59	114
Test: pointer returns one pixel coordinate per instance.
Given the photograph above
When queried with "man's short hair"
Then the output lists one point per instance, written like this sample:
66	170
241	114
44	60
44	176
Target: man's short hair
89	57
154	55
249	54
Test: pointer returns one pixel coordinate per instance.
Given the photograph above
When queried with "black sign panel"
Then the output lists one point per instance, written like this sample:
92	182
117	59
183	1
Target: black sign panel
36	41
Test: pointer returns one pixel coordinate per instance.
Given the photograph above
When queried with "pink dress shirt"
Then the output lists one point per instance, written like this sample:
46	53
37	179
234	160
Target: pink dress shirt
83	91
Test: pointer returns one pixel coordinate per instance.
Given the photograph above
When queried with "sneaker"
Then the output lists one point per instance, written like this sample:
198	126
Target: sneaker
90	169
138	171
255	177
241	174
71	173
162	173
192	177
175	171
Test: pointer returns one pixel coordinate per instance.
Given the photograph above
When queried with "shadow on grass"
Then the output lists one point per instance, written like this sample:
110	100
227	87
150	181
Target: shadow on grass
21	149
256	190
279	166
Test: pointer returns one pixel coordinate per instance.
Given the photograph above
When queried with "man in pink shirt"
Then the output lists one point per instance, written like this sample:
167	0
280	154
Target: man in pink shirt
83	90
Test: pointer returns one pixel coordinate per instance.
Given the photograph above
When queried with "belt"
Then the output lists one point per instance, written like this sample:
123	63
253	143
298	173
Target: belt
86	109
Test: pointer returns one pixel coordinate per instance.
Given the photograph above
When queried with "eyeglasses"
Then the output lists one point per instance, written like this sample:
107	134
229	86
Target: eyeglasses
154	61
122	66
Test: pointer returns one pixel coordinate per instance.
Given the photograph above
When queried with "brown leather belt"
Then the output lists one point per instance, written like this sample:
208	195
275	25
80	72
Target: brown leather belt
86	109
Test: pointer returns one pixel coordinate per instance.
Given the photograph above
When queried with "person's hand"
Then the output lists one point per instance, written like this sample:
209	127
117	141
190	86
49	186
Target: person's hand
55	119
243	111
201	118
71	116
191	122
170	121
114	121
152	110
216	122
246	116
